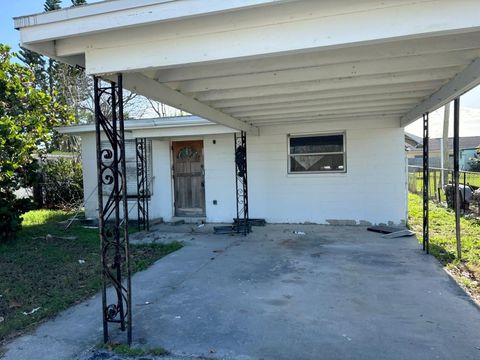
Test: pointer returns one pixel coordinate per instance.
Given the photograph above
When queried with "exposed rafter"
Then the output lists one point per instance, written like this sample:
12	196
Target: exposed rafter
145	86
331	71
460	84
345	83
390	91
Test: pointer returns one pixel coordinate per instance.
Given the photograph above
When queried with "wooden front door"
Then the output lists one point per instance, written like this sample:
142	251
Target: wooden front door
189	179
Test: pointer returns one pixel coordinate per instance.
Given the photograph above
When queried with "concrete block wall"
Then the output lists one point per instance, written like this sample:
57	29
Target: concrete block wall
373	188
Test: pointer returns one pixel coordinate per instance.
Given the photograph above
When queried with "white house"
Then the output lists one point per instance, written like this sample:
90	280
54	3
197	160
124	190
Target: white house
284	187
322	89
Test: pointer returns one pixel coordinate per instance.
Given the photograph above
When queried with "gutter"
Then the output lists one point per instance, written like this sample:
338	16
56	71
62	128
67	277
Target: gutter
143	124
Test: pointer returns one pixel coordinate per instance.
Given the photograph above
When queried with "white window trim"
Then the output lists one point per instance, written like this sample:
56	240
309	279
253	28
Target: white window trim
326	172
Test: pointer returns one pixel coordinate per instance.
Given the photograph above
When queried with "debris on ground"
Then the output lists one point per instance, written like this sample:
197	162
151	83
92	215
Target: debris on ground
54	237
383	229
397	234
31	312
145	303
81	261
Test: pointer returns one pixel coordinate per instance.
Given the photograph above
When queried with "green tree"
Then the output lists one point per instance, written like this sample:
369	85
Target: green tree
36	63
51	5
27	117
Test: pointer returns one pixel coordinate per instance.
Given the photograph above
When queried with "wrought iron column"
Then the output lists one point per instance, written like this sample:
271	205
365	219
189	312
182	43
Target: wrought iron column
113	212
242	223
426	183
456	173
143	191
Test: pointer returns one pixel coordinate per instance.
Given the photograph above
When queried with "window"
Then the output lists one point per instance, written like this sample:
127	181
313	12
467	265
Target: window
131	167
316	153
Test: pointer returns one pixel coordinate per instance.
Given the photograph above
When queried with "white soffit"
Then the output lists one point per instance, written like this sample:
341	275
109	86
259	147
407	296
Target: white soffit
276	62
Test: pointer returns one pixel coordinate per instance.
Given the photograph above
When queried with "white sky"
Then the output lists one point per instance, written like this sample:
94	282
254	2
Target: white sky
469	118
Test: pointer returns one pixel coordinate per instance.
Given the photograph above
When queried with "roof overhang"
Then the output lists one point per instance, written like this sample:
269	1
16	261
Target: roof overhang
253	63
158	127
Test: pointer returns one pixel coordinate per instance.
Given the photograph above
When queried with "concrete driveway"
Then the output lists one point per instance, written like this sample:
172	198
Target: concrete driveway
333	293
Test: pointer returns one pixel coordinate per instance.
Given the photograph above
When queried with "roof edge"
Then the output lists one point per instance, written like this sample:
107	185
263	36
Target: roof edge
136	124
141	10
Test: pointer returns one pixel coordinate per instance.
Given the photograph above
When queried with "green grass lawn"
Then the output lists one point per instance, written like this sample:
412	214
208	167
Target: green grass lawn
46	273
442	238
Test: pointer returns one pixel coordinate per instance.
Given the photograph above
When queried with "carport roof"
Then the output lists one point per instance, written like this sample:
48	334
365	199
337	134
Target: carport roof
253	63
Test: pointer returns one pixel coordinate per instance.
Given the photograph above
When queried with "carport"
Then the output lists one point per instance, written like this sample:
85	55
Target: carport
337	292
256	63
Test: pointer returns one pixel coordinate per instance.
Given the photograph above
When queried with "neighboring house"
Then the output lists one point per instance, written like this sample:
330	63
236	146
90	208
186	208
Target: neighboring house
322	90
412	142
468	148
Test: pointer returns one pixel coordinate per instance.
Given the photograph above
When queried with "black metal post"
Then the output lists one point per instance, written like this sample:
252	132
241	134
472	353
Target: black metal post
143	193
113	213
456	173
242	223
426	174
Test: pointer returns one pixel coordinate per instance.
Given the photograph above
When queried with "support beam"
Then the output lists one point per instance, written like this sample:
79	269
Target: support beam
143	85
374	111
320	107
360	83
381	118
113	213
425	46
142	150
456	174
420	89
329	71
411	96
241	183
460	84
333	124
426	184
444	153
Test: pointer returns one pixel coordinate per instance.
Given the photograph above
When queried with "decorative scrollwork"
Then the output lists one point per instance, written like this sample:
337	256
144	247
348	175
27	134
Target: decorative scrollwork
187	153
241	182
143	192
113	211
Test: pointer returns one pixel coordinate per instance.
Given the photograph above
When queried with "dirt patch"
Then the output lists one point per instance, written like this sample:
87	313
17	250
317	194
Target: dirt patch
467	280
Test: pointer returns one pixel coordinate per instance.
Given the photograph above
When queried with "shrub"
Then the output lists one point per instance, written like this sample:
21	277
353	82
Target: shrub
27	116
11	210
62	183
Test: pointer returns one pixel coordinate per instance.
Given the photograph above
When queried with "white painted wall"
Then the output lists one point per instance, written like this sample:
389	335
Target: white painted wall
89	161
373	188
161	204
220	178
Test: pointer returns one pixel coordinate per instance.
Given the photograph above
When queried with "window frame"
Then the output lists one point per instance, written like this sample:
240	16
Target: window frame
132	163
344	153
